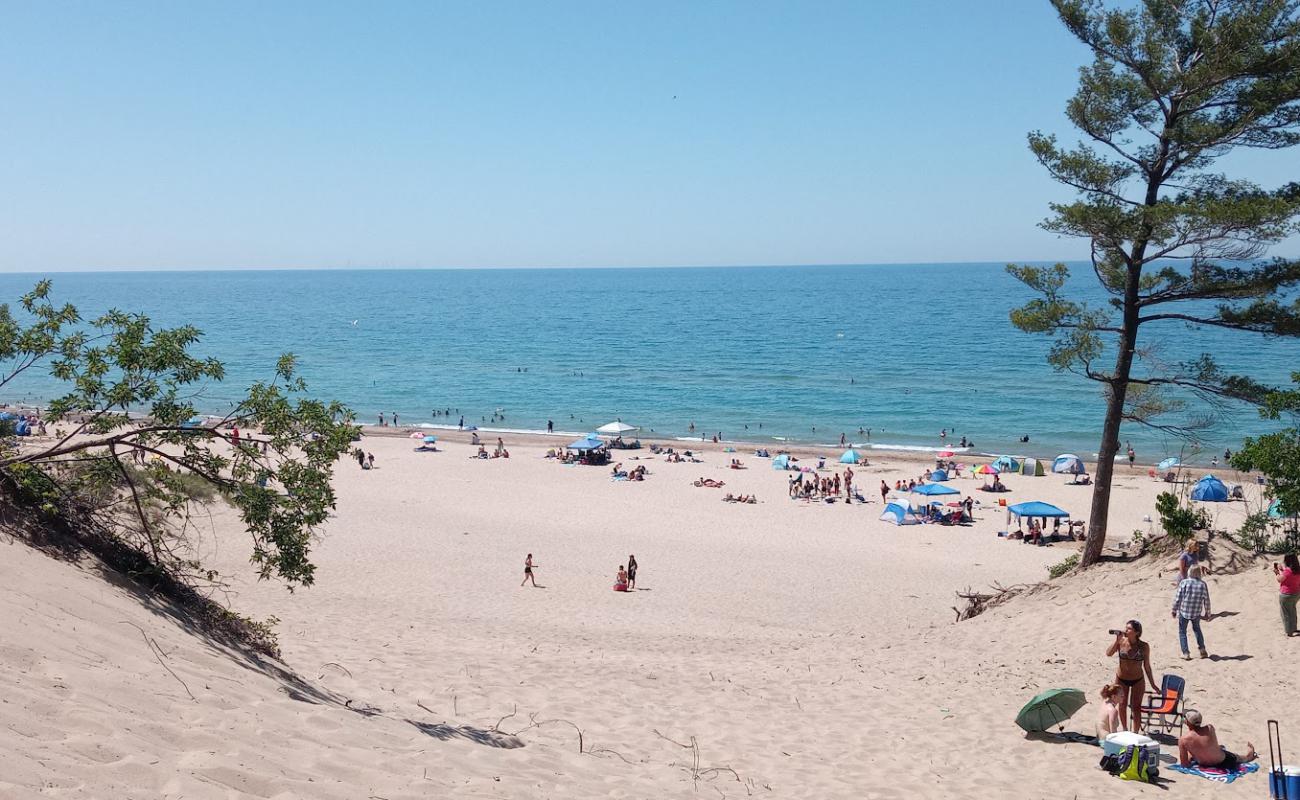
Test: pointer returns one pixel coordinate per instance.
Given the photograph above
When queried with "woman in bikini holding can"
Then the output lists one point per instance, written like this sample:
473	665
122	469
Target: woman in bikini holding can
1133	673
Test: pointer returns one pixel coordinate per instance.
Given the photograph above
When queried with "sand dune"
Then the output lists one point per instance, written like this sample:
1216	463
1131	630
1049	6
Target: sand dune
805	650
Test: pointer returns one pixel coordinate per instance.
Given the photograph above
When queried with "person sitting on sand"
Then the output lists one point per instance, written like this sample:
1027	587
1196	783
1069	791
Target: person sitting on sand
482	452
1108	721
1133	672
473	438
620	581
1200	747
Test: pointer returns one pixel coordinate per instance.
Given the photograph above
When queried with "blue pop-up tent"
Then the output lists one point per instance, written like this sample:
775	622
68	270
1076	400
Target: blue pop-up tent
589	442
850	456
1210	490
1006	464
781	462
939	475
899	513
1068	464
1037	508
934	489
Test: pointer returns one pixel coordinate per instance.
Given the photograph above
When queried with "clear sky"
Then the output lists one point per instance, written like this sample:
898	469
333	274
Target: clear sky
428	134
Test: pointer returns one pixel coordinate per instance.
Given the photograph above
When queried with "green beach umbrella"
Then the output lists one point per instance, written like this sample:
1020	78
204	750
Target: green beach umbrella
1051	708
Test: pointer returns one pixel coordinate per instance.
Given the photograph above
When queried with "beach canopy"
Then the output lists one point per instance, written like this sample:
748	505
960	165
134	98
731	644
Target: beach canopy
1006	464
588	442
430	438
1032	466
1036	508
899	513
933	489
1169	463
1210	489
850	456
986	469
939	475
781	462
616	428
1050	709
1069	464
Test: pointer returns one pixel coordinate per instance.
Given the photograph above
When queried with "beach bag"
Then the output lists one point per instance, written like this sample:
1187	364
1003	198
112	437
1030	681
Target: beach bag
1134	762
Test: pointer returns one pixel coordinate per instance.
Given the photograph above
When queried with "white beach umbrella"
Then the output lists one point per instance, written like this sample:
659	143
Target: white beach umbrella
616	428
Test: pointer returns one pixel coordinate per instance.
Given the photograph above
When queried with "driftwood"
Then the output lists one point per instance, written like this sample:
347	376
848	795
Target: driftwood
977	603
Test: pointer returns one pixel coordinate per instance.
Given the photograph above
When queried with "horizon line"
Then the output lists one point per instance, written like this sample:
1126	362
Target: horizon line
382	268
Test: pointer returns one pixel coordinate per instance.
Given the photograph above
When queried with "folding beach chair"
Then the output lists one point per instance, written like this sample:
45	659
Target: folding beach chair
1164	711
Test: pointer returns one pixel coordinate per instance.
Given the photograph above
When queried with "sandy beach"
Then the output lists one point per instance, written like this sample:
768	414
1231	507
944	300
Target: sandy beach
783	649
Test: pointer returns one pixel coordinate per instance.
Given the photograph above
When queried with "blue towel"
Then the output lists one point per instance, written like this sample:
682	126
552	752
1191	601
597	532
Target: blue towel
1216	774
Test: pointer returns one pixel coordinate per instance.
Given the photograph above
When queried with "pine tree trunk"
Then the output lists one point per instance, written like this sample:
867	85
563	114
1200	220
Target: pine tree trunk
1117	392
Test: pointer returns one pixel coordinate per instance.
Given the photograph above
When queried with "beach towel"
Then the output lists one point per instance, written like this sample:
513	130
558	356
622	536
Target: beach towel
1216	774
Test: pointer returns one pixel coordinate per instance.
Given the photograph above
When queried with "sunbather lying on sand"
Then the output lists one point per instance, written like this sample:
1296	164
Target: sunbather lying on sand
710	483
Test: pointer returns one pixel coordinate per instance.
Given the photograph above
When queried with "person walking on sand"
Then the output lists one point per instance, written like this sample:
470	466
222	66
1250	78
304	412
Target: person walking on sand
528	571
1191	604
1288	582
1133	672
631	573
884	492
1200	744
848	484
1188	558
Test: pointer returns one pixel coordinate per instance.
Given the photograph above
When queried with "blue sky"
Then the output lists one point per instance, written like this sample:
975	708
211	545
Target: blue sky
313	134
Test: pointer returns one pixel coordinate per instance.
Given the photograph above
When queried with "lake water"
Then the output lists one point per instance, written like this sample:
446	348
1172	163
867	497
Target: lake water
761	354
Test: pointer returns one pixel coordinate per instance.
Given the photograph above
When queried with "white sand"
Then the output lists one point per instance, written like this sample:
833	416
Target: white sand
809	648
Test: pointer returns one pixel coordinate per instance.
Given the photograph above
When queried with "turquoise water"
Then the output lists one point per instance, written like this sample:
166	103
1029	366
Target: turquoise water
801	353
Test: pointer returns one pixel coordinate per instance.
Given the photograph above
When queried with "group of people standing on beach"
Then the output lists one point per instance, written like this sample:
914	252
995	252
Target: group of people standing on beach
1123	700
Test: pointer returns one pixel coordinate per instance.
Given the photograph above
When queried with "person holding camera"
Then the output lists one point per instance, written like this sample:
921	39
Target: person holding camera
1133	672
1191	604
1288	581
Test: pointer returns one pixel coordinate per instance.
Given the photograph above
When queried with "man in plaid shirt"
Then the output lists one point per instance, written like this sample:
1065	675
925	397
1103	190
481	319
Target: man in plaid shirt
1192	604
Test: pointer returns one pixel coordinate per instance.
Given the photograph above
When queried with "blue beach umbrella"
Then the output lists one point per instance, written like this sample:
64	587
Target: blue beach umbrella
1169	463
850	456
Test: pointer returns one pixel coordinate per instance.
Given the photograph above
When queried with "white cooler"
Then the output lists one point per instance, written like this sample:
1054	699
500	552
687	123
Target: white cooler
1117	741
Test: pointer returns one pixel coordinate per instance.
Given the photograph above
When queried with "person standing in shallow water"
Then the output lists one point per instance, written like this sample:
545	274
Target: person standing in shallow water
631	573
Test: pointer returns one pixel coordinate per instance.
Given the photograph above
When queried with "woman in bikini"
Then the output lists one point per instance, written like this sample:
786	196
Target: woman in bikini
1134	670
528	571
